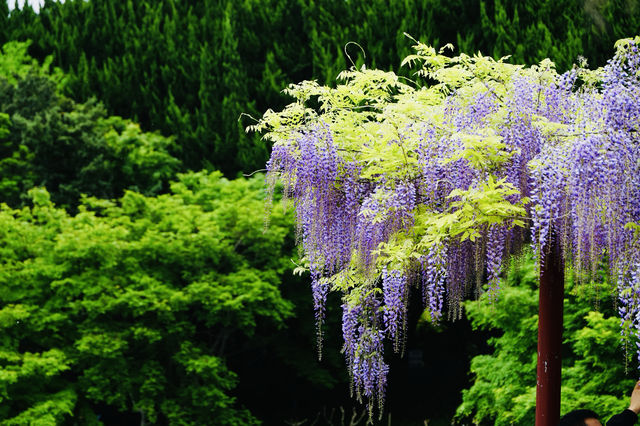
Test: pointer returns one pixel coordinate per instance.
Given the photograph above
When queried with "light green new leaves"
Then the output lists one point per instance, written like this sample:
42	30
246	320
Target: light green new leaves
488	204
364	91
470	212
15	63
379	122
468	73
484	151
398	251
280	126
622	45
635	227
386	155
116	293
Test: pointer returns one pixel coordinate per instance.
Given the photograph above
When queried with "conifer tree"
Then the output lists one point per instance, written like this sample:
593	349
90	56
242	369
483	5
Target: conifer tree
191	68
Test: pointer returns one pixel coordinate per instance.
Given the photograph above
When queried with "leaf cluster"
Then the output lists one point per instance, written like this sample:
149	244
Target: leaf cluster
378	123
135	305
504	381
72	148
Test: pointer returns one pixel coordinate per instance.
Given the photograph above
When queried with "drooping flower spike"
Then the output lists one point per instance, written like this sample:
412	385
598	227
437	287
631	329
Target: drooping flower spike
396	185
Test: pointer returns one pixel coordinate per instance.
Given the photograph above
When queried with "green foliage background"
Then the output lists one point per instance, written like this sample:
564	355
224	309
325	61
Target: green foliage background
129	291
131	303
190	68
136	302
125	297
593	363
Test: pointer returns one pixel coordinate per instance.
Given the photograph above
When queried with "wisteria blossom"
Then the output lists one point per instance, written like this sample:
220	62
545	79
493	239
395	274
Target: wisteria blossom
435	186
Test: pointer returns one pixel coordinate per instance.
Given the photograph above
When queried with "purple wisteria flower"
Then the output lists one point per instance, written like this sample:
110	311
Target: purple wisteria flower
570	147
394	289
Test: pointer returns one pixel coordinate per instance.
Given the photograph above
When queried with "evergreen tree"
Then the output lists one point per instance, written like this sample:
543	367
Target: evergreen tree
71	148
190	69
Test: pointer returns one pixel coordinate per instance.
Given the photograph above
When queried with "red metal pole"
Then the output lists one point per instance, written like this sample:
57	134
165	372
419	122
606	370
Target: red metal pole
550	337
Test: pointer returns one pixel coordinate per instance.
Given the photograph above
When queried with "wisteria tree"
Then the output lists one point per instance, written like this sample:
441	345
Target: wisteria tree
435	183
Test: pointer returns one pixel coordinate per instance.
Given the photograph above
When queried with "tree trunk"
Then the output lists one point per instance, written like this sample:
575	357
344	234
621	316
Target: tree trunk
550	336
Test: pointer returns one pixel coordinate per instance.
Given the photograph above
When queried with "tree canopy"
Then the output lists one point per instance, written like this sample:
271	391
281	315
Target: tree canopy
133	306
190	69
71	148
435	183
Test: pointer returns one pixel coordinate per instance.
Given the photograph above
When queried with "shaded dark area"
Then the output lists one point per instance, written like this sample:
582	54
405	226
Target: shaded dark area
427	383
284	383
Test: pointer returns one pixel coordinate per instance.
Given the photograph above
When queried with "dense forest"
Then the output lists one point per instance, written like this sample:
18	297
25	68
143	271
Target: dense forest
138	283
191	68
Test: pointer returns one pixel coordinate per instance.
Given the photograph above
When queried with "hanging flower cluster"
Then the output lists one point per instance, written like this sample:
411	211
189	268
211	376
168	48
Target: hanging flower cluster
434	184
